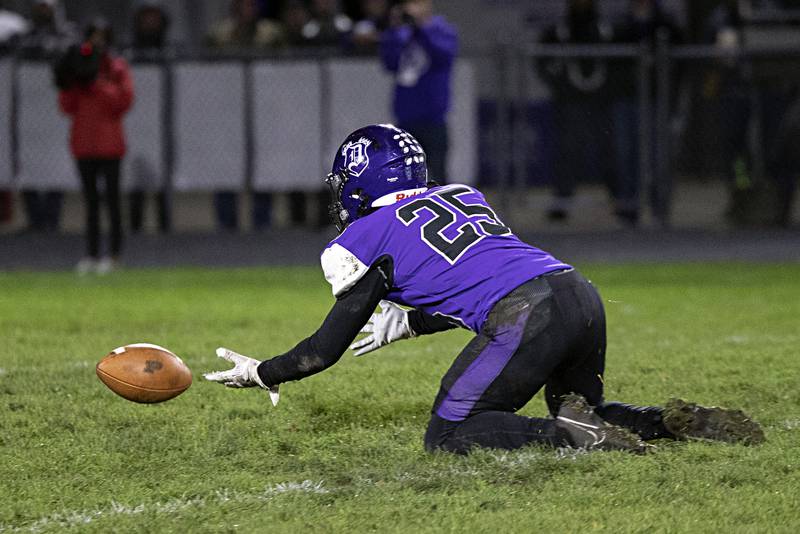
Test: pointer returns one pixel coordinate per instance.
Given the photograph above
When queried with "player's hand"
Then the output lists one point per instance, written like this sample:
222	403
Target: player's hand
243	375
391	324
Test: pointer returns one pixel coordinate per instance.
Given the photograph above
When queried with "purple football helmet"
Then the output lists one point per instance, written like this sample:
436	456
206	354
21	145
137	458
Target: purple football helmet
375	166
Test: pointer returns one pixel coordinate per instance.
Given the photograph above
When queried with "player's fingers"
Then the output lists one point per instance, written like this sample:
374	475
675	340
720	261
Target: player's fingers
362	342
219	376
368	328
385	304
229	355
368	348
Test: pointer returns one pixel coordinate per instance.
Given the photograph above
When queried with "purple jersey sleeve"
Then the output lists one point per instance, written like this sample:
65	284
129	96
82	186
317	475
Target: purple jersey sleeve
452	255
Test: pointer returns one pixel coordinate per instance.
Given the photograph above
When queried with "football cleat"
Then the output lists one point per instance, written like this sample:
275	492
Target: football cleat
687	420
584	429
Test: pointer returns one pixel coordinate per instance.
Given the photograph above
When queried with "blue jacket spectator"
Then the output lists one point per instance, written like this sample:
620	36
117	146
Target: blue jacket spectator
420	49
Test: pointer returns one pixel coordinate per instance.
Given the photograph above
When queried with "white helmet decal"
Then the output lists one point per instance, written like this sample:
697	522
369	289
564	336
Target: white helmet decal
355	156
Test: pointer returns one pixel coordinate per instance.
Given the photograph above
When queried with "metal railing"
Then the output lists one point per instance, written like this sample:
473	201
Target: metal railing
666	98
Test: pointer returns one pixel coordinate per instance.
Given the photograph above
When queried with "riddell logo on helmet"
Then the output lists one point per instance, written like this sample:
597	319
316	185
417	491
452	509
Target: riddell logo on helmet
397	196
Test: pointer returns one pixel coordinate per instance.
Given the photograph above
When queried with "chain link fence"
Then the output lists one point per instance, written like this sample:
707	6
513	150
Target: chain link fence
228	124
639	122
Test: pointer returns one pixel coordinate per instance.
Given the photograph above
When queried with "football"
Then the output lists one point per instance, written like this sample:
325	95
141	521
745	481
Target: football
145	373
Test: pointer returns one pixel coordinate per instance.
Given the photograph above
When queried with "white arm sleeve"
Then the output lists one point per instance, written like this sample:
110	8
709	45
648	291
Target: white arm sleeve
342	269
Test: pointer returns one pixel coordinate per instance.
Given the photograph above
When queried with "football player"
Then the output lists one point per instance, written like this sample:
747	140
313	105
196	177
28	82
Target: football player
435	258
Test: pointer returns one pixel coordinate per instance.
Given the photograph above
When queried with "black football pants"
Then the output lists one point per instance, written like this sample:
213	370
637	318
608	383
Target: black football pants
550	332
91	170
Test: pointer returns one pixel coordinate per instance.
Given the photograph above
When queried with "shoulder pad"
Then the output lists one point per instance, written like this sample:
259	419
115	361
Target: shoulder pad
342	268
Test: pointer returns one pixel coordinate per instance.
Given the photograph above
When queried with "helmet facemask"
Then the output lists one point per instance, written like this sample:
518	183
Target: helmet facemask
341	217
338	214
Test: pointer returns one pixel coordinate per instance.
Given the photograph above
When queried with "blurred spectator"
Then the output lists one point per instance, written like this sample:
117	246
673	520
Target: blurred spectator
150	26
582	105
783	159
420	48
726	90
244	28
226	210
328	26
50	32
763	93
12	27
294	15
96	91
325	26
645	23
366	35
768	198
6	209
49	35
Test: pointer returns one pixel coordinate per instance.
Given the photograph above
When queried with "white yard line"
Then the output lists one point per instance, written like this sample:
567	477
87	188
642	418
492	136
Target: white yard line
75	518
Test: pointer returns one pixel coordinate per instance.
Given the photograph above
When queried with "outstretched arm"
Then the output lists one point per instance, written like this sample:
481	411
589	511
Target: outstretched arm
325	346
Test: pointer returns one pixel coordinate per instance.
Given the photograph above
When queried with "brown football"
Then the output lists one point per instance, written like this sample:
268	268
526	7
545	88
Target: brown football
144	373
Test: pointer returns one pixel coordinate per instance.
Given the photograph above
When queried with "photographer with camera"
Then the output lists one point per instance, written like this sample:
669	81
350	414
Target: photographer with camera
96	91
420	48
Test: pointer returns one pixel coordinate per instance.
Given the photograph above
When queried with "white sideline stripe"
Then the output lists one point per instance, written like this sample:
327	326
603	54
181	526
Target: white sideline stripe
74	518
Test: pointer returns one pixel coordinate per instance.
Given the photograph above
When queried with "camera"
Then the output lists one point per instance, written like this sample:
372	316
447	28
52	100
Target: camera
79	65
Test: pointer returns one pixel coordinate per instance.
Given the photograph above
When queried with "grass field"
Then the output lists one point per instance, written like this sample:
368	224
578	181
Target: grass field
343	449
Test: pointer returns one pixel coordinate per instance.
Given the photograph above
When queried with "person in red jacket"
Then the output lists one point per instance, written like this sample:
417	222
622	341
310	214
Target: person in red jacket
96	92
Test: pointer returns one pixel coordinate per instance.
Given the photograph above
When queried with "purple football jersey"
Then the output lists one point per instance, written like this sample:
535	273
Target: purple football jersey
452	255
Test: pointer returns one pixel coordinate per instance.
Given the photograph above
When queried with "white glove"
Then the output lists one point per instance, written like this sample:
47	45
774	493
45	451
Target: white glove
391	324
243	375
